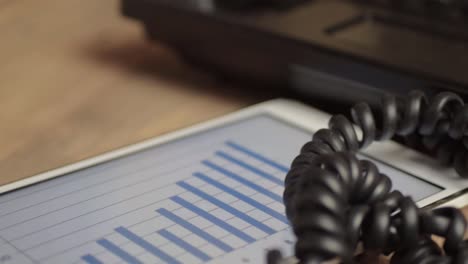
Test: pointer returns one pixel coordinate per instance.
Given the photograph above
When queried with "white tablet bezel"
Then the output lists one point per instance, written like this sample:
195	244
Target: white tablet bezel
304	117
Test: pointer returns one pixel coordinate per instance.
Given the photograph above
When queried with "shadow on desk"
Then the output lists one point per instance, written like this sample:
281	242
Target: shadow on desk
147	59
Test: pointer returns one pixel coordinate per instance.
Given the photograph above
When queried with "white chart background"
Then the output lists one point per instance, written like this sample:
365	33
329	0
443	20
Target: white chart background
79	218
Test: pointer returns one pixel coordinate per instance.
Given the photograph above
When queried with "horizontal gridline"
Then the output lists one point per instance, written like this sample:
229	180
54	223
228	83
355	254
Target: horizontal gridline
90	198
206	236
257	223
205	228
236	214
249	161
138	208
164	230
273	231
101	170
151	190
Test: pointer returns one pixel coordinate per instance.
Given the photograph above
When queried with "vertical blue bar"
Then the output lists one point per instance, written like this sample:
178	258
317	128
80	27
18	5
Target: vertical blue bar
252	221
257	156
251	168
199	232
90	259
213	219
244	181
116	250
243	197
186	246
146	245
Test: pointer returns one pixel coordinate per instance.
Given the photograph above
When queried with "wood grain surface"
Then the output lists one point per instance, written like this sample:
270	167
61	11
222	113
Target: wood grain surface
77	80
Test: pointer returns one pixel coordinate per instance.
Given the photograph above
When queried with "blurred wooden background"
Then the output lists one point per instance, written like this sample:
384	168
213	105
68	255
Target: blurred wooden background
77	79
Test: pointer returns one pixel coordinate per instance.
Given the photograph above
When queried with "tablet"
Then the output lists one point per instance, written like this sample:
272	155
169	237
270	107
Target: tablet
211	193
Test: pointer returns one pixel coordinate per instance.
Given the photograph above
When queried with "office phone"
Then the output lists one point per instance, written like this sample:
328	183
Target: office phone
333	51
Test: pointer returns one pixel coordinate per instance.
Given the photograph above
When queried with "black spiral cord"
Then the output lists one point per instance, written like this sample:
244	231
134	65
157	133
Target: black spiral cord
334	201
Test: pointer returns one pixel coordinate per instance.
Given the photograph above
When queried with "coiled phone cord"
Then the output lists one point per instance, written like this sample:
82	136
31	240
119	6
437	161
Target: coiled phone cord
334	201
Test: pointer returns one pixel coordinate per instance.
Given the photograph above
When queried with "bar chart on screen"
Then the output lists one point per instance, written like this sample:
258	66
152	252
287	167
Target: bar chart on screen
228	201
219	226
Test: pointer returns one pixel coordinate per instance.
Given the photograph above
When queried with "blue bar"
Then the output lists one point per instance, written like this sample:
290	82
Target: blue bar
243	197
116	250
257	156
213	240
90	259
146	245
244	181
251	168
252	221
213	219
186	246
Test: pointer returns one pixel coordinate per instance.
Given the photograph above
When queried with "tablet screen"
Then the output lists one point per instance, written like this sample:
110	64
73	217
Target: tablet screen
210	197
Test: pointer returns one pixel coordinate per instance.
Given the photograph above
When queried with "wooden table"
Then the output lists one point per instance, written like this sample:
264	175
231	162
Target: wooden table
77	79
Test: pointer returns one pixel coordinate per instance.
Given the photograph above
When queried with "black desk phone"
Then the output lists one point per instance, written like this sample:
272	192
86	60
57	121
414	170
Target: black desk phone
341	51
346	52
